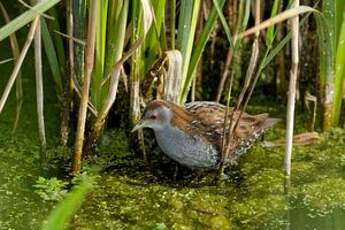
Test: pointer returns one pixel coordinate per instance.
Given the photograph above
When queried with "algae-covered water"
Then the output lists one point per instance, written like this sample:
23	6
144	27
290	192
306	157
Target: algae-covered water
129	195
252	198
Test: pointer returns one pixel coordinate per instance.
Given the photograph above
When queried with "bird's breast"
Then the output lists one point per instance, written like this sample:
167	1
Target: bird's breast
191	151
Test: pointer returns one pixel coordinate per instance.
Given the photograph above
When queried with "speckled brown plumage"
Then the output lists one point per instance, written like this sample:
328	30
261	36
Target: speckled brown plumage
203	121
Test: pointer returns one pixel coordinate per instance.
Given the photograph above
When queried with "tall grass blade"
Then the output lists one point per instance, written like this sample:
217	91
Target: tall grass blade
154	41
287	14
326	32
19	85
271	30
79	31
148	15
186	30
39	90
96	88
116	33
234	55
339	17
225	25
274	51
51	56
18	64
54	28
172	19
26	17
339	71
137	63
200	45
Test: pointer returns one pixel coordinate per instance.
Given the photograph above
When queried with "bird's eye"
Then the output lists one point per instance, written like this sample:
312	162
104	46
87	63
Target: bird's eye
153	116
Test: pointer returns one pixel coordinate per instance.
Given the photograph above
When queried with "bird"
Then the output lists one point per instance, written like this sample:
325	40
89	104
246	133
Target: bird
192	135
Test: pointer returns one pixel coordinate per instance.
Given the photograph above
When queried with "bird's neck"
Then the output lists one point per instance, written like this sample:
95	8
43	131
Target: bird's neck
180	117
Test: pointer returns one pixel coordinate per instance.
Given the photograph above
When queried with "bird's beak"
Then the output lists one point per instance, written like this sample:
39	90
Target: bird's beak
140	125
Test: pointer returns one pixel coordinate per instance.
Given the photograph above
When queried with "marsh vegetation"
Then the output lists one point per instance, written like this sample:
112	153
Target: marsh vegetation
76	74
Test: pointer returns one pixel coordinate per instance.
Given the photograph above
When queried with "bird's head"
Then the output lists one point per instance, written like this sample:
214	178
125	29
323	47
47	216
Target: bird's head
157	116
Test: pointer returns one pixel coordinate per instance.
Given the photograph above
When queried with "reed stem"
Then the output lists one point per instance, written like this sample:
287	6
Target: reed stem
292	92
65	111
19	85
89	62
19	63
39	90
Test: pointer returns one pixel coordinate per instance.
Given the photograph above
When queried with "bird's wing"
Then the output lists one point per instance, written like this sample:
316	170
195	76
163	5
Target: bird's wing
211	115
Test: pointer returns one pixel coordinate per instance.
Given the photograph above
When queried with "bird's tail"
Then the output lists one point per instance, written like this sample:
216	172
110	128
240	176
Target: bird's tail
248	142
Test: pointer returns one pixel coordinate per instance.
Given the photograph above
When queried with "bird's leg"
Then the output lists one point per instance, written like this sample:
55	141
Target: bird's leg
221	176
197	176
175	172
